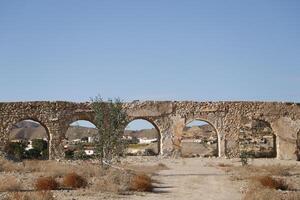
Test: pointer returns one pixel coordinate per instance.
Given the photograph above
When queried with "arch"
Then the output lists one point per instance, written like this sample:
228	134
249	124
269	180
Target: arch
35	119
158	133
258	139
79	139
216	133
32	125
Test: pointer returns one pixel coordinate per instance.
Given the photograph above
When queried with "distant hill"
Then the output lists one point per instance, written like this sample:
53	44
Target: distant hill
31	130
203	131
27	130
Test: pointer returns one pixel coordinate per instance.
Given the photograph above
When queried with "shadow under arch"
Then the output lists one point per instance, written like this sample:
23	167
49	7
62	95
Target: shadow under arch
34	120
159	137
211	125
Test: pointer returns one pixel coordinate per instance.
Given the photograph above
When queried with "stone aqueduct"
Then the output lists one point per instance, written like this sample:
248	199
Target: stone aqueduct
169	117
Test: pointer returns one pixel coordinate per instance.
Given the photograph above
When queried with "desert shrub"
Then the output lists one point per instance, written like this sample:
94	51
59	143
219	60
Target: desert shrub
141	183
46	183
32	154
69	154
73	180
9	184
269	182
244	156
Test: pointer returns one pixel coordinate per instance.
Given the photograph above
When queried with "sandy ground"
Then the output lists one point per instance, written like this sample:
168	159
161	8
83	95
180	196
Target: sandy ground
200	178
193	178
185	178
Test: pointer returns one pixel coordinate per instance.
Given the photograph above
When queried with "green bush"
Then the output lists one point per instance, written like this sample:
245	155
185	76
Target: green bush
33	154
39	150
69	154
15	150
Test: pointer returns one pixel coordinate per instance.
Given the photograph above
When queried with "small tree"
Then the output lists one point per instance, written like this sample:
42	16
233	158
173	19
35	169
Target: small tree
15	150
41	146
111	119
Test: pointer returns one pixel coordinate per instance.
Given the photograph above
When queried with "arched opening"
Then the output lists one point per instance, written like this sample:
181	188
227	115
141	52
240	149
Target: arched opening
28	139
143	138
199	138
80	140
257	140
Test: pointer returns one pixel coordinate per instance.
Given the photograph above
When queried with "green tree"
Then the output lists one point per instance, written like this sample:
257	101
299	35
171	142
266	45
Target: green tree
111	119
33	154
41	146
15	150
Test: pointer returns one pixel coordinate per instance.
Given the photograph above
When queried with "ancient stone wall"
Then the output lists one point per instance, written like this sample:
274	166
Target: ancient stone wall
228	118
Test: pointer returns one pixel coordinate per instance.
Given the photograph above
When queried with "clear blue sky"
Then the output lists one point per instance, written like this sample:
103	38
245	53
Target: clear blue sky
156	50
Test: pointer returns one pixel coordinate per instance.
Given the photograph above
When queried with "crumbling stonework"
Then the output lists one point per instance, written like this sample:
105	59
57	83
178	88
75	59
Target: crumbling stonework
228	119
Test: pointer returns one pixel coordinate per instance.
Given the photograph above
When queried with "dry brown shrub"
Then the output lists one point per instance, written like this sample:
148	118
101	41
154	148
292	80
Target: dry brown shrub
141	183
73	180
40	195
224	165
9	184
46	183
270	182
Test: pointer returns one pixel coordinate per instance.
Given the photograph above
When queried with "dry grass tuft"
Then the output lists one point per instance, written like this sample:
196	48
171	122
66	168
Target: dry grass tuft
9	166
59	169
262	194
276	182
113	181
9	184
46	183
40	195
274	170
73	180
141	183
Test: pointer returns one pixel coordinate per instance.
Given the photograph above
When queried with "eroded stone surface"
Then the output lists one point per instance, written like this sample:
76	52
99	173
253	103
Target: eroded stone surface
169	118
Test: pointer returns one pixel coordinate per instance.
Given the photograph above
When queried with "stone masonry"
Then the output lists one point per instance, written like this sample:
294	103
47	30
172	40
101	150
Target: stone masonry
169	118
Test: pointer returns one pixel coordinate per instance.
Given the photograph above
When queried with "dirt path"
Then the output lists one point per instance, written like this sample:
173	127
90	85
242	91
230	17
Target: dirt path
193	179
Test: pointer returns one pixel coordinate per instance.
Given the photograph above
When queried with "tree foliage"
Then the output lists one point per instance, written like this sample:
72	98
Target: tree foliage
15	150
110	119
